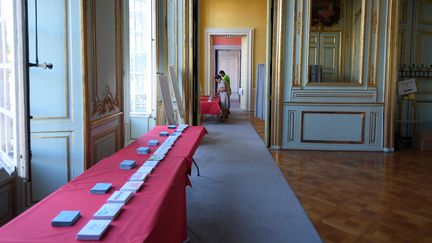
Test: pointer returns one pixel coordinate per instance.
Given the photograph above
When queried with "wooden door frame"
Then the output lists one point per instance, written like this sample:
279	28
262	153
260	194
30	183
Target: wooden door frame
209	32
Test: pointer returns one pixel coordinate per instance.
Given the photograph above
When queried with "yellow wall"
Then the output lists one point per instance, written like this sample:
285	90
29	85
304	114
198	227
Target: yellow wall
234	14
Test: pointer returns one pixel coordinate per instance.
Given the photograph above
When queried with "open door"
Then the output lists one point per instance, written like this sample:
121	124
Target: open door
56	100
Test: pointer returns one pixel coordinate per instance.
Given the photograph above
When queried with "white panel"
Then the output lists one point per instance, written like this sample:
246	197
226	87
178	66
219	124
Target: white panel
52	49
332	127
50	159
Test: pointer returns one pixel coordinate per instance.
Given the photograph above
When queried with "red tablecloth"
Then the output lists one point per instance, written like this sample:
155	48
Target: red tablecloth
212	108
155	214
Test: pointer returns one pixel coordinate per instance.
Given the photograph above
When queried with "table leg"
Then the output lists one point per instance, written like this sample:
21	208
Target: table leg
196	165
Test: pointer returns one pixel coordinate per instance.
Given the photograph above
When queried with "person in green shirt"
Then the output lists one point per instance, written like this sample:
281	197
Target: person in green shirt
227	80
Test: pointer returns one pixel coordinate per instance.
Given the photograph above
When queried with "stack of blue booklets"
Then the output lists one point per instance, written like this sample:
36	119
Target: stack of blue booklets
172	126
101	188
127	164
153	142
143	150
164	134
65	218
93	230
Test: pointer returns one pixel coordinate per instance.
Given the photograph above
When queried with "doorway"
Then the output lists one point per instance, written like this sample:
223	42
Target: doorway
229	62
235	59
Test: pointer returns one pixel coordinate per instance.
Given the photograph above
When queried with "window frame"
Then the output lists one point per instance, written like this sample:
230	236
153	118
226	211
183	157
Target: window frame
151	99
18	68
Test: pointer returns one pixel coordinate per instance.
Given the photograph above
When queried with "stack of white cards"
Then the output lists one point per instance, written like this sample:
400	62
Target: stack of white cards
150	163
182	127
162	150
139	176
121	197
145	169
132	186
157	157
108	211
170	140
93	230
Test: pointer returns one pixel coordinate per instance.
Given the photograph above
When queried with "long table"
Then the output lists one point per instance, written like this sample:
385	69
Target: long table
155	214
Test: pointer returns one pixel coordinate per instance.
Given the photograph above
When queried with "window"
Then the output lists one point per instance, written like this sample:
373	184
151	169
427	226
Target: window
142	84
9	87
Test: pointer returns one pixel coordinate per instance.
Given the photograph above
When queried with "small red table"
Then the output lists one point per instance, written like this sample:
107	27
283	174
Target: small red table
210	107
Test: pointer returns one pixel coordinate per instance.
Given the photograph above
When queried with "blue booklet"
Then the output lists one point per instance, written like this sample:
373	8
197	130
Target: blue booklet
127	164
172	126
101	188
66	218
143	150
153	142
164	134
93	230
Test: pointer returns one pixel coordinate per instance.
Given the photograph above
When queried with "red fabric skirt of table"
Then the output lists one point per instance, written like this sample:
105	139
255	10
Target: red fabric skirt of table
211	107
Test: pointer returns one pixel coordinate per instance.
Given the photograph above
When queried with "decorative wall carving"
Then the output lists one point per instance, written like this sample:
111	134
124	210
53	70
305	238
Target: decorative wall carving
108	102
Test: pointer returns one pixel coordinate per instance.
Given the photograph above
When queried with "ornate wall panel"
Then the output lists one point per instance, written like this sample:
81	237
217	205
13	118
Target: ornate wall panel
104	83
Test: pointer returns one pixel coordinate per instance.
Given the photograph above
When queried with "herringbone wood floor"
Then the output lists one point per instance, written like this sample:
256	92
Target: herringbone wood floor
362	196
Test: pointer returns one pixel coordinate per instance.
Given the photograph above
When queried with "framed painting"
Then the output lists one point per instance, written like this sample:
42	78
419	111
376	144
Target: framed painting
325	12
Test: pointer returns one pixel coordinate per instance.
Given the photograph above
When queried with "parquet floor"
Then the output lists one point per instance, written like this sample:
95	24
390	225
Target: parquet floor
258	124
363	196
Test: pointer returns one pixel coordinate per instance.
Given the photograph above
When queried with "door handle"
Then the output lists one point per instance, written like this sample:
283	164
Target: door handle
43	65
